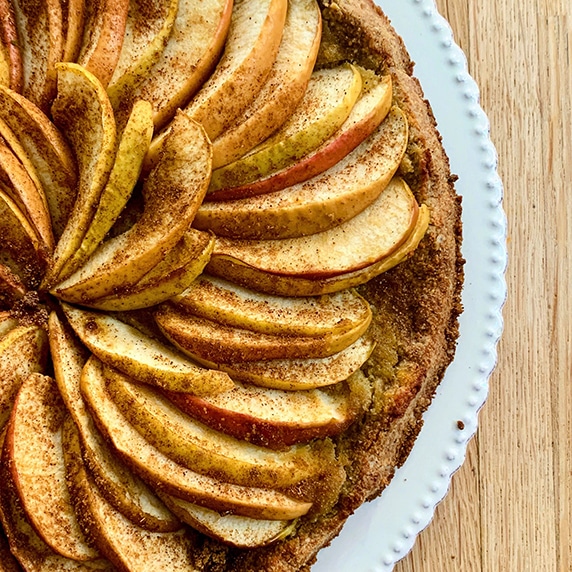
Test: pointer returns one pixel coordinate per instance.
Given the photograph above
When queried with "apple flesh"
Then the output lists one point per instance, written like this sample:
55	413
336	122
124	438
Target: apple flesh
10	46
141	357
271	417
284	88
321	203
366	115
171	477
225	302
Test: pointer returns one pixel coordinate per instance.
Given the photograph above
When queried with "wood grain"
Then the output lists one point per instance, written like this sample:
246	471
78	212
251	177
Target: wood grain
509	508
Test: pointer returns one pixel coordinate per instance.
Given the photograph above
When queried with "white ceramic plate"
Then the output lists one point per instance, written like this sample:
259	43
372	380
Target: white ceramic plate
382	532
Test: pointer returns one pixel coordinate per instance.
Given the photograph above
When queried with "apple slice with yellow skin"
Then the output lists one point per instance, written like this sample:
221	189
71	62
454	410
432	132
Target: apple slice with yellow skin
26	194
167	475
126	545
7	322
325	201
180	267
104	32
142	357
82	112
230	529
123	177
225	302
124	490
148	30
33	450
219	343
283	285
284	88
40	39
187	60
366	115
299	374
23	351
252	44
211	452
11	46
328	100
274	418
23	252
370	236
47	151
73	14
172	192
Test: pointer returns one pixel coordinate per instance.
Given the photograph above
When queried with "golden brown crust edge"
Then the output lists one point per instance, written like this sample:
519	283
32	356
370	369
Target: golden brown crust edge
417	305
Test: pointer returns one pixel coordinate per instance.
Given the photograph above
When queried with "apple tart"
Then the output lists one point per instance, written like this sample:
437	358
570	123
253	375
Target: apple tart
230	278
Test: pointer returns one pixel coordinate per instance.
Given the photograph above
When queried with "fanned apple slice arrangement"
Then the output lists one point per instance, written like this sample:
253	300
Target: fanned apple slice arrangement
187	203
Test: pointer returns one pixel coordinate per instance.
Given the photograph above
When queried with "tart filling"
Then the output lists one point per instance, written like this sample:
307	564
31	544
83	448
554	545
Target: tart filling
230	279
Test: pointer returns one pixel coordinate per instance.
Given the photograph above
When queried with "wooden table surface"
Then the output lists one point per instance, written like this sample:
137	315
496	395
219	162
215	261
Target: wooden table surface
510	506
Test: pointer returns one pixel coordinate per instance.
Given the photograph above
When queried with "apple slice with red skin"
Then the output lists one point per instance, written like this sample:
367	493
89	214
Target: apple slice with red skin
10	44
284	88
225	302
370	236
171	477
366	115
40	38
47	150
73	17
275	418
219	343
299	374
104	31
321	203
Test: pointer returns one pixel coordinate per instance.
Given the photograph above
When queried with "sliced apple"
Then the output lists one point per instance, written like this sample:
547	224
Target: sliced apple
123	177
23	252
40	39
204	339
12	288
83	113
283	285
73	14
123	489
126	545
7	322
300	374
104	32
142	357
374	234
186	62
48	152
366	115
251	47
30	550
172	192
238	531
225	302
148	30
180	267
34	452
327	102
11	46
274	418
323	202
23	351
171	477
210	452
29	198
284	88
